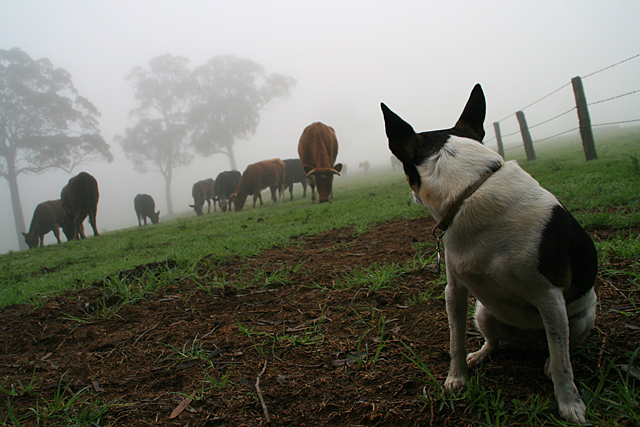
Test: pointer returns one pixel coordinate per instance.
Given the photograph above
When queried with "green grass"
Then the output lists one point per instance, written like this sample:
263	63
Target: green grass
65	407
602	194
30	275
611	400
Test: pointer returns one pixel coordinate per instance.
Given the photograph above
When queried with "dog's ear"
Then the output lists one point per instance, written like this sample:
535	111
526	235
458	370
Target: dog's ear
401	135
471	122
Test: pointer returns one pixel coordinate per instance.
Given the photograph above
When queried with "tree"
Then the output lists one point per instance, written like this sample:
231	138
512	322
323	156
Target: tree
44	124
158	141
230	94
182	113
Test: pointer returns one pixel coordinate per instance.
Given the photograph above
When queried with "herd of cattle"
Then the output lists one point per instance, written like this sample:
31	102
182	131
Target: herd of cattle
317	149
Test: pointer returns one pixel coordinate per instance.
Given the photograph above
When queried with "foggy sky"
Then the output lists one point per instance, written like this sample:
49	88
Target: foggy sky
421	58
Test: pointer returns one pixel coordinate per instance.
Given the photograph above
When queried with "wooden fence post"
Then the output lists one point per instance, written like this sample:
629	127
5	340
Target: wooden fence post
586	133
496	128
526	137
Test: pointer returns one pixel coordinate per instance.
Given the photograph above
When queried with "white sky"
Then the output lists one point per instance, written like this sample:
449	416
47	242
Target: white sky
421	58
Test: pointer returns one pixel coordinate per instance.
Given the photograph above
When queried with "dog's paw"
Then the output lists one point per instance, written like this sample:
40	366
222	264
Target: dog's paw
570	404
574	411
476	358
454	382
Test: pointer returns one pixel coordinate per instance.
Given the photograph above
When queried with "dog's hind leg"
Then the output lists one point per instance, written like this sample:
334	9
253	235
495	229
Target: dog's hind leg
554	316
489	326
582	320
457	297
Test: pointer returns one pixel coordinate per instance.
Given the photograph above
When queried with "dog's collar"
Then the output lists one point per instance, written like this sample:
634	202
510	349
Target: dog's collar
450	214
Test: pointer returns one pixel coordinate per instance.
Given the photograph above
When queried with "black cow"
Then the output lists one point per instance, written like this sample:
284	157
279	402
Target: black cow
79	199
294	173
47	217
145	208
225	185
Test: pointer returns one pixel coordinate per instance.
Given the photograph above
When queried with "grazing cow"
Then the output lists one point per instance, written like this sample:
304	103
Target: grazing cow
145	208
257	177
365	165
79	199
47	217
295	173
226	184
318	149
203	191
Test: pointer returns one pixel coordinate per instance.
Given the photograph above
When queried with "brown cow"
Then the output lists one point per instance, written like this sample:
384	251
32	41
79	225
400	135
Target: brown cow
47	217
203	191
258	176
79	199
318	149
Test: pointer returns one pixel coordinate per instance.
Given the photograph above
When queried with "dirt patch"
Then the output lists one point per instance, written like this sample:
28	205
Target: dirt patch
324	354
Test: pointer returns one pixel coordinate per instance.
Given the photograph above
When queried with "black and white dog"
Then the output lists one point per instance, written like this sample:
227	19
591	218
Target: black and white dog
508	241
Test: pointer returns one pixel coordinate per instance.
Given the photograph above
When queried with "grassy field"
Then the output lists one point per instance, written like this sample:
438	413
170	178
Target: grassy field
602	193
32	275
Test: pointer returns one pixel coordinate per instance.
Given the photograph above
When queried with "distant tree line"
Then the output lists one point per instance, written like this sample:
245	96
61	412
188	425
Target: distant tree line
184	113
181	113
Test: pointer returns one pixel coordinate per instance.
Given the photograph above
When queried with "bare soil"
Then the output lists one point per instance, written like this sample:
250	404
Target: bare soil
308	343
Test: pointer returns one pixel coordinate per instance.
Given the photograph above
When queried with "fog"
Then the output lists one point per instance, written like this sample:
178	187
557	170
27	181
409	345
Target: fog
421	58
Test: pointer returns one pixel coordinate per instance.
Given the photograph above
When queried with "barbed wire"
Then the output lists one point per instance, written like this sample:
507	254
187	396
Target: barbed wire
535	102
616	123
553	118
612	65
614	97
565	132
511	134
568	84
556	135
505	136
514	147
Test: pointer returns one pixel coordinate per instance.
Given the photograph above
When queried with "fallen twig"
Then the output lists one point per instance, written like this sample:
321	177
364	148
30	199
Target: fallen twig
259	393
144	332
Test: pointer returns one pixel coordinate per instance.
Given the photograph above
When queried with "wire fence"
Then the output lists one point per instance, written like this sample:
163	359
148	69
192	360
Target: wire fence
553	117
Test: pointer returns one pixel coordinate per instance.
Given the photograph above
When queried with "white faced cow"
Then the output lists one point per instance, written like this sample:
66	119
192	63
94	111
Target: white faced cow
318	149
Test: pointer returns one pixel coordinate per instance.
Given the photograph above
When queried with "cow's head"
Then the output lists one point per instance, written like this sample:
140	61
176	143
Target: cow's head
197	208
222	201
238	201
323	178
155	217
31	240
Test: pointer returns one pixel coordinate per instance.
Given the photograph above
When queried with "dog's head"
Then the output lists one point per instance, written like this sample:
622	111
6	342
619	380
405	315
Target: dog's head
440	164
